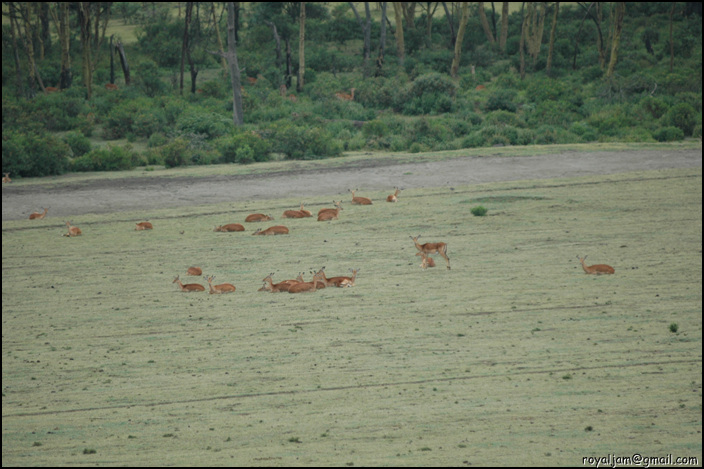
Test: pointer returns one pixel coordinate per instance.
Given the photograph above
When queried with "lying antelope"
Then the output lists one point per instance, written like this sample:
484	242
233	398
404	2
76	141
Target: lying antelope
340	282
338	205
359	200
258	217
305	287
273	230
330	214
111	86
596	269
194	271
222	288
145	225
282	286
72	230
6	178
189	286
393	197
230	227
297	213
345	96
427	260
37	215
432	248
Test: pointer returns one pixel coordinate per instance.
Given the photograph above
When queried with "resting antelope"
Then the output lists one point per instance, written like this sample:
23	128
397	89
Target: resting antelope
330	214
339	281
6	178
304	287
145	225
189	286
37	215
222	288
111	86
359	200
345	96
194	271
427	260
72	230
282	286
338	205
229	228
393	197
257	217
431	248
273	230
596	269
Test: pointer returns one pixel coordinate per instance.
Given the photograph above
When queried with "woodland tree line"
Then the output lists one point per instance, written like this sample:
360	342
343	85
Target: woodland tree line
207	82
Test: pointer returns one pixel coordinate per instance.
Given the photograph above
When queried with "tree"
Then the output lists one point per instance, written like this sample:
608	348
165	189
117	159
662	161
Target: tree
59	12
485	23
548	66
454	69
237	114
366	31
618	28
93	19
400	47
504	26
301	48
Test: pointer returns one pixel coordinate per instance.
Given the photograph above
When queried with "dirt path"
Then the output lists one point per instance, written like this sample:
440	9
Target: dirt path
116	195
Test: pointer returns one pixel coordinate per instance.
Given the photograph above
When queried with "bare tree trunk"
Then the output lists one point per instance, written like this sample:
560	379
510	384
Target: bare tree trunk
84	20
223	61
454	69
400	47
672	44
184	43
551	48
366	31
451	24
618	28
123	62
382	40
14	33
301	49
237	115
504	26
485	24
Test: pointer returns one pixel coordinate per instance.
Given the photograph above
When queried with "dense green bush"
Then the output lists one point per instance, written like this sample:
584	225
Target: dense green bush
110	158
79	144
33	154
243	147
175	153
431	93
299	142
668	134
683	117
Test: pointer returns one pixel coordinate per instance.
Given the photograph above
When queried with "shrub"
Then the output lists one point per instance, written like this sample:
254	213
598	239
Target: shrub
175	153
682	116
78	143
202	122
668	134
112	158
478	211
503	100
245	147
34	154
431	93
298	142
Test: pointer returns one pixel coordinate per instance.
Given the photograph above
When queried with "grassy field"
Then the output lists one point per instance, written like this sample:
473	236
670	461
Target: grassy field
513	357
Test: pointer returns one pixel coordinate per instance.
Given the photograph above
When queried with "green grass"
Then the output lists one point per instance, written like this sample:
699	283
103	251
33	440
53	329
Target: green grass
410	367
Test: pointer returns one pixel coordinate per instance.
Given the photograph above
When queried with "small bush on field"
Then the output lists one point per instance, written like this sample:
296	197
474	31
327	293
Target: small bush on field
478	211
243	148
682	116
175	153
674	327
112	158
34	154
299	142
668	134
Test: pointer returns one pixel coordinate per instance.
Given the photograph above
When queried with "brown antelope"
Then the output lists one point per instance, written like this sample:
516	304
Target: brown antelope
72	230
305	287
596	269
338	205
51	89
305	212
345	96
229	228
279	287
145	225
194	271
432	248
359	200
427	260
189	286
480	87
257	217
330	214
111	86
273	230
393	197
297	213
217	289
6	178
37	215
341	282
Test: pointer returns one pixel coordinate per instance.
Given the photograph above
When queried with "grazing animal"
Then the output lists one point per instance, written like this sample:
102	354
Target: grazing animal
359	200
111	86
427	260
37	215
6	178
432	248
72	230
304	287
257	217
229	228
345	96
222	288
189	286
596	269
393	197
273	230
195	271
145	225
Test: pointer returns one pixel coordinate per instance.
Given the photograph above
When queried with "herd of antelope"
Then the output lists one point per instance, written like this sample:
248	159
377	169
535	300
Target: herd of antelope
319	280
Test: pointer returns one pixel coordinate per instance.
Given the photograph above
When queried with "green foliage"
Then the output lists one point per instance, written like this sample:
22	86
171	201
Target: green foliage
668	134
175	153
209	124
302	143
79	144
243	147
33	154
674	327
431	93
478	211
110	158
683	117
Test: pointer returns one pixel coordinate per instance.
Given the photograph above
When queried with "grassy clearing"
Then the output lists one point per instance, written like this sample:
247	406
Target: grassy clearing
514	356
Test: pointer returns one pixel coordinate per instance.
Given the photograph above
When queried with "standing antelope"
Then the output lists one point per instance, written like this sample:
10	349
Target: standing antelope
596	269
304	287
393	197
345	96
72	230
194	271
273	230
222	288
330	214
427	260
6	178
189	286
37	215
257	217
229	228
359	200
432	248
145	225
